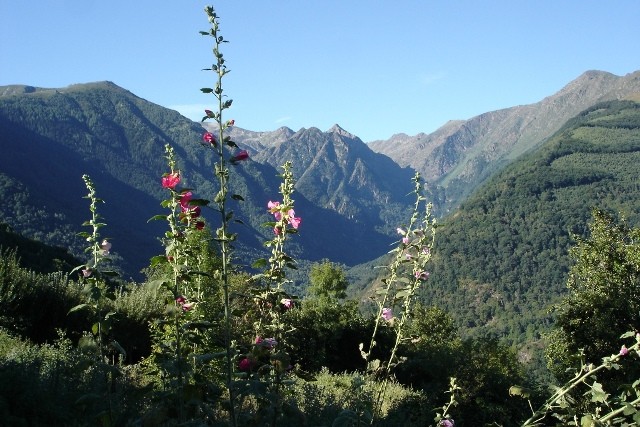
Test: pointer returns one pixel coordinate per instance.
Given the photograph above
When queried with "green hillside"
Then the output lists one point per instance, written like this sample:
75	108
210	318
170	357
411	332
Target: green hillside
502	259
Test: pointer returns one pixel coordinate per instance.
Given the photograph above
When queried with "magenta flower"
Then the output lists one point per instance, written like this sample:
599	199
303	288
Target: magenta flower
185	199
170	180
244	365
447	423
200	225
242	155
105	247
387	314
624	350
209	138
287	302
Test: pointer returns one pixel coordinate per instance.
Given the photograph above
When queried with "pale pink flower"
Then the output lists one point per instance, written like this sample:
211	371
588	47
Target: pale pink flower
405	240
86	272
105	247
287	302
274	209
293	220
400	231
387	314
624	350
422	275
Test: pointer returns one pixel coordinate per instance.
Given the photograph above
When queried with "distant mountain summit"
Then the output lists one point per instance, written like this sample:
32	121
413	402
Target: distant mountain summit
462	154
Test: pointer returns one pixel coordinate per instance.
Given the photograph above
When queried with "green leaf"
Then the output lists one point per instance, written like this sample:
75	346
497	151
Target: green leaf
206	90
237	197
260	263
77	307
157	217
158	259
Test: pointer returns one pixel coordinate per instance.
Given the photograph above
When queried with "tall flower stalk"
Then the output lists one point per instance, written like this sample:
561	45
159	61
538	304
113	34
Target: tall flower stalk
95	288
220	144
407	274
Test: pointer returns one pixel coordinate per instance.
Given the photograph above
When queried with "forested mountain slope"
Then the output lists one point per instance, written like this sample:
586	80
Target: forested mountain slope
501	260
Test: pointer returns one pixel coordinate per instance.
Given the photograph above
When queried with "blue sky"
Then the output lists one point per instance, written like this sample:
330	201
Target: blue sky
376	67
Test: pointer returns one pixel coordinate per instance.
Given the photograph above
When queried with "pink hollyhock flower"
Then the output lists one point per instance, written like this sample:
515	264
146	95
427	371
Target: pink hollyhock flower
287	302
405	240
422	275
244	364
258	340
242	155
86	272
187	306
185	199
273	208
209	138
447	423
231	122
276	230
105	247
171	180
181	300
387	314
624	350
200	225
293	220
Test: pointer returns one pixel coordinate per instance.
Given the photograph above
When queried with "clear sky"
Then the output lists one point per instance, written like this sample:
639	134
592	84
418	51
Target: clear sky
375	67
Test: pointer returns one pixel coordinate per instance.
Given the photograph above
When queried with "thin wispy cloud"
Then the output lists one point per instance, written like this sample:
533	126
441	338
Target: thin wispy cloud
283	119
431	78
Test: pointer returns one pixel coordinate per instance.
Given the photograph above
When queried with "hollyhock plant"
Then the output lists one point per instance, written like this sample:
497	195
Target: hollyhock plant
273	208
422	275
242	155
244	364
171	180
293	220
209	138
185	199
624	350
105	247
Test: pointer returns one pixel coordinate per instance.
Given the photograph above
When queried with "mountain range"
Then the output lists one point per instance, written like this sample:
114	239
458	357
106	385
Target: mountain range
510	186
